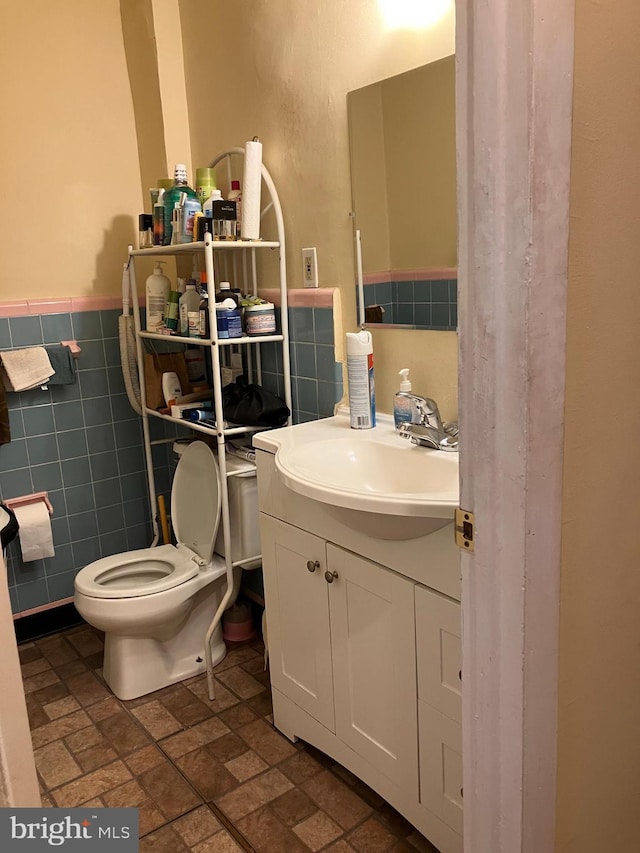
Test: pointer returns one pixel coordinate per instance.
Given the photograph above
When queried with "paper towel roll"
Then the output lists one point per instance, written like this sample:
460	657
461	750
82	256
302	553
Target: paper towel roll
251	186
36	538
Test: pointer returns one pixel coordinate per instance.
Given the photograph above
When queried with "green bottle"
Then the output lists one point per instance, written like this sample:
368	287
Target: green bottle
172	195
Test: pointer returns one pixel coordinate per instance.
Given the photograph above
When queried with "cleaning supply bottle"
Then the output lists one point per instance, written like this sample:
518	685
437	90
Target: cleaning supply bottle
236	195
172	195
362	397
189	311
403	406
228	318
157	289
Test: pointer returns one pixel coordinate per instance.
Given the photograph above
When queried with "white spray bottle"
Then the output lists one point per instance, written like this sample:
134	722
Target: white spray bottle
157	289
362	397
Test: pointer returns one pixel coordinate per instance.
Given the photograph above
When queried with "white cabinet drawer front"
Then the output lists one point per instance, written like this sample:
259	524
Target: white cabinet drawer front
374	665
440	765
439	652
298	617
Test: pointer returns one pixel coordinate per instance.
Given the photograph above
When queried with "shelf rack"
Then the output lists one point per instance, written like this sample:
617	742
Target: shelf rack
242	253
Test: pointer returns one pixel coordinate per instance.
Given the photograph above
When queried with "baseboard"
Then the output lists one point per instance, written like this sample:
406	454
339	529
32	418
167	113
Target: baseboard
46	622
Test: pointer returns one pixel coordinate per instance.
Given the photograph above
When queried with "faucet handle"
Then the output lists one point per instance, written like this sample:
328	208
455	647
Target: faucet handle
429	412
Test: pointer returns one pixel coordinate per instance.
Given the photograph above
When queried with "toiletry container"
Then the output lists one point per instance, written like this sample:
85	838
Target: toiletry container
207	207
403	405
172	196
260	319
229	321
157	289
362	399
205	183
236	195
190	311
171	310
190	206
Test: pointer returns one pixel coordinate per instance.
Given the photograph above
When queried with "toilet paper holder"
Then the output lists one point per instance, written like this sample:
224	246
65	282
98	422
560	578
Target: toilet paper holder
36	497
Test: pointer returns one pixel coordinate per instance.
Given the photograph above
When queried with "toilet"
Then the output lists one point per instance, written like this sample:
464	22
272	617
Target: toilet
155	605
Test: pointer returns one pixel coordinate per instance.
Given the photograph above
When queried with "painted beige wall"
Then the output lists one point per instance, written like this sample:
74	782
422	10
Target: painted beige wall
281	69
599	689
69	163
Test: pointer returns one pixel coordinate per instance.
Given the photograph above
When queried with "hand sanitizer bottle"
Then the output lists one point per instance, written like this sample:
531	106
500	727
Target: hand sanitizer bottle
403	405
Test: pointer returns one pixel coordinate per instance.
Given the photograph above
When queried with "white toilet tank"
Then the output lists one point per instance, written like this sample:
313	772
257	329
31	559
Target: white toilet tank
243	514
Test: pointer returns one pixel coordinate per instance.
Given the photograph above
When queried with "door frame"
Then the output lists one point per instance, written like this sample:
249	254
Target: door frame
514	91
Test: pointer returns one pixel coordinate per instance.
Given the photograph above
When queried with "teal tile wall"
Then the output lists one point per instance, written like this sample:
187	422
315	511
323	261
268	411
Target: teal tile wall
424	304
82	443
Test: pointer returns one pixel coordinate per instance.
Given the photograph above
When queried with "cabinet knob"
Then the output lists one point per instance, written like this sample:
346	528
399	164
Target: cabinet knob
330	576
312	565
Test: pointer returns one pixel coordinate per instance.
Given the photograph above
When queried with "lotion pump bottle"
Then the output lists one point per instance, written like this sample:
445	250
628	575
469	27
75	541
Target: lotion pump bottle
157	290
403	406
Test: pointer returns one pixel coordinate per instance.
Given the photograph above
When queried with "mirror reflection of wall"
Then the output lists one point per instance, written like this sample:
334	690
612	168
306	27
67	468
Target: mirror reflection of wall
403	177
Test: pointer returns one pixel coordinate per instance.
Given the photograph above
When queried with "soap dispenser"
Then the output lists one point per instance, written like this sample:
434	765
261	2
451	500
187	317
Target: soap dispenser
403	405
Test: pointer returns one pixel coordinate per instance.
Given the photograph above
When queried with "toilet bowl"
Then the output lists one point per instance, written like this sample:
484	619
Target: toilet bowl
156	604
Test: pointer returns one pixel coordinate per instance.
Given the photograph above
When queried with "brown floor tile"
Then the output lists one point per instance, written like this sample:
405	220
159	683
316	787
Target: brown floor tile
221	842
254	665
42	679
293	807
246	766
337	799
106	708
340	846
168	789
186	707
227	747
236	655
317	831
61	707
266	833
131	795
224	698
300	767
56	650
196	826
94	757
71	668
165	840
55	764
46	802
95	661
419	842
398	824
253	794
240	682
86	688
144	759
207	775
37	716
52	693
372	837
261	704
59	728
92	785
190	739
85	643
268	743
34	667
28	652
125	735
156	719
238	716
85	739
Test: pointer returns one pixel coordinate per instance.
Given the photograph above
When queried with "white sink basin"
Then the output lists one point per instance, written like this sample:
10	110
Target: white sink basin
373	471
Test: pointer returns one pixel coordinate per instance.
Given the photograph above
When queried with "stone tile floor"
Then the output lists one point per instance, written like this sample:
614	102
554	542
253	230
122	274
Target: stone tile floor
207	777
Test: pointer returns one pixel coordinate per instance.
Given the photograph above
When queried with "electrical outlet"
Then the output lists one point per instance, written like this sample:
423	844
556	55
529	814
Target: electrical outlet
309	267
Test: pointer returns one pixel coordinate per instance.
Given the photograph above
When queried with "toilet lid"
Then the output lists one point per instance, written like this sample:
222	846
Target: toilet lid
195	500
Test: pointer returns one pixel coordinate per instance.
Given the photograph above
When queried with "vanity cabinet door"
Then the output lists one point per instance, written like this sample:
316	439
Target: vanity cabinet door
374	665
297	611
439	644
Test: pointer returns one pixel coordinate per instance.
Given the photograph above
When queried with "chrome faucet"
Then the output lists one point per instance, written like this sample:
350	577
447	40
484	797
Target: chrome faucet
429	431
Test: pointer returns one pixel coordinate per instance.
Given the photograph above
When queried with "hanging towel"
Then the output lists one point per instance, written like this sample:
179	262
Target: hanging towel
63	363
25	368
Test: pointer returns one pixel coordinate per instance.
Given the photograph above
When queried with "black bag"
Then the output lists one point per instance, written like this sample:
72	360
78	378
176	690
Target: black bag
253	405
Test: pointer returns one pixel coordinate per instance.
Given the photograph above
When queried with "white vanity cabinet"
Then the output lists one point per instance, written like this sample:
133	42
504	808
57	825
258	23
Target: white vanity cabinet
341	646
364	649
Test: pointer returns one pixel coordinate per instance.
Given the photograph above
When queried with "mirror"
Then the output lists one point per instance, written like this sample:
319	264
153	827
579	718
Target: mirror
403	185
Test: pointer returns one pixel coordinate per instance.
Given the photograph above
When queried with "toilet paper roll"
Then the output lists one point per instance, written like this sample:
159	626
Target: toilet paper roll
251	186
36	538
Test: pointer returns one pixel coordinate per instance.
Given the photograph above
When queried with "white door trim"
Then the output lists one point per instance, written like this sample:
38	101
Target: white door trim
514	105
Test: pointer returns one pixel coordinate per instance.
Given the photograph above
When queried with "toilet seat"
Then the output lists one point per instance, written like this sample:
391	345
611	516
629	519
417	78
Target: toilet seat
195	514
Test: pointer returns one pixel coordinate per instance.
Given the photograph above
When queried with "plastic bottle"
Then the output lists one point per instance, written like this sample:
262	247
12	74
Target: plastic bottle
207	207
158	219
403	407
205	183
189	313
228	319
172	195
204	329
236	195
171	311
362	398
190	206
157	289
